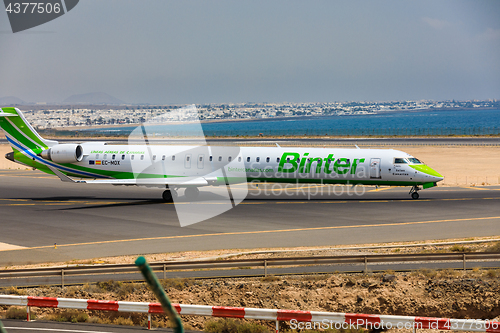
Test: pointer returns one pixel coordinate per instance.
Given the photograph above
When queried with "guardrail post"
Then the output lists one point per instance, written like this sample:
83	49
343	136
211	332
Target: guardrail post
62	278
265	268
28	313
149	321
277	326
366	265
464	261
164	271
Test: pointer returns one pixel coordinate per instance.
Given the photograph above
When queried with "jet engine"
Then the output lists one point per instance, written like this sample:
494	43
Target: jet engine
63	153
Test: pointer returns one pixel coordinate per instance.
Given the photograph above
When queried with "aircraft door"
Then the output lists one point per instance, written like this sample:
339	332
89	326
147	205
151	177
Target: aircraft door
187	161
201	157
375	168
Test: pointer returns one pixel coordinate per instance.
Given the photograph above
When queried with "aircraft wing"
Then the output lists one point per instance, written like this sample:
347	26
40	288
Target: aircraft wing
176	181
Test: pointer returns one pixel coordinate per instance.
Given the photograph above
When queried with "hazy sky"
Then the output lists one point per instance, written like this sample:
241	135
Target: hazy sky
146	51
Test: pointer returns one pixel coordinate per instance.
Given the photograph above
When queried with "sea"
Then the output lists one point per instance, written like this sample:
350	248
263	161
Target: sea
426	122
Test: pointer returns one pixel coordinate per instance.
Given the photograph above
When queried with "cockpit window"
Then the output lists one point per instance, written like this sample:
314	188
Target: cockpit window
414	160
400	161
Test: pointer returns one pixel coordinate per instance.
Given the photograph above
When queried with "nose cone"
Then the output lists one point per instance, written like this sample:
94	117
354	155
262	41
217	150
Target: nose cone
429	172
10	156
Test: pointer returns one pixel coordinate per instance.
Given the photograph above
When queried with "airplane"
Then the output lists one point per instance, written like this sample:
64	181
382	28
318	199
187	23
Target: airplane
191	167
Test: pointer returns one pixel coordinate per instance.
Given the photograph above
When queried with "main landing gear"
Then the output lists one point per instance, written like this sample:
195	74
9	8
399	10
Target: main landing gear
414	192
169	194
191	193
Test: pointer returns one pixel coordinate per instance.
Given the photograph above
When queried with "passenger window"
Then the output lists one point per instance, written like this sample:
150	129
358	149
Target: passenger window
113	156
97	156
187	158
154	157
277	159
173	157
142	157
105	156
132	157
298	160
201	158
239	159
248	159
220	158
210	158
229	159
268	159
257	159
399	161
123	157
288	159
163	158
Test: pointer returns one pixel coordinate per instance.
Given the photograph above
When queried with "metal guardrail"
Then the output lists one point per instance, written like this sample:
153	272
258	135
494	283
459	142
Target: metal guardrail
248	263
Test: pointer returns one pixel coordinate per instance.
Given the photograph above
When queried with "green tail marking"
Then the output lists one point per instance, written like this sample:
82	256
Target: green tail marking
18	128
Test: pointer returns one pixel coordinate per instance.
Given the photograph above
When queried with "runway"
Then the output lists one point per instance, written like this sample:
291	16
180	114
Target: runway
89	221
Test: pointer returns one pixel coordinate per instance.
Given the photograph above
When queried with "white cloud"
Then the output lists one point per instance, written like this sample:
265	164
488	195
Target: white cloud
490	34
436	23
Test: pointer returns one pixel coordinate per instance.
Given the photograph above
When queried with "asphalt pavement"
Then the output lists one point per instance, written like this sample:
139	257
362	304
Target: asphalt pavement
90	221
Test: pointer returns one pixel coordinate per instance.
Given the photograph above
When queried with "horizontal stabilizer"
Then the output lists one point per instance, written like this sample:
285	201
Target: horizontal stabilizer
6	114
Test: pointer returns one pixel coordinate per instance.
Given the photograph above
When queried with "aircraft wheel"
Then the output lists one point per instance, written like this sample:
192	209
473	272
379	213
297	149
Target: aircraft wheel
169	195
191	193
415	195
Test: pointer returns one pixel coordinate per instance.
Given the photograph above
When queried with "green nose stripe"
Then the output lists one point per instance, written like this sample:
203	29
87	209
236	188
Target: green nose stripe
425	169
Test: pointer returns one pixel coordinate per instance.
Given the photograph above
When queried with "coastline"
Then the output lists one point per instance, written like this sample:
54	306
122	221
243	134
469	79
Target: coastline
250	120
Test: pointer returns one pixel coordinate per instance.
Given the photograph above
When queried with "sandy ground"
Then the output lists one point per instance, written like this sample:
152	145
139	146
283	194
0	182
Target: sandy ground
459	165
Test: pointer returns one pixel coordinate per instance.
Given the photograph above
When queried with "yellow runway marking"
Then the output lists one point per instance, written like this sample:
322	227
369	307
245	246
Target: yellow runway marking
477	188
380	189
267	232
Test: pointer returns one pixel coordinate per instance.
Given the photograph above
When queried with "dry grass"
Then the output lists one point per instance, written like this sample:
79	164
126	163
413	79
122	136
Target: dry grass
460	248
233	326
270	278
123	321
492	273
178	283
495	247
425	272
120	288
14	291
71	316
18	313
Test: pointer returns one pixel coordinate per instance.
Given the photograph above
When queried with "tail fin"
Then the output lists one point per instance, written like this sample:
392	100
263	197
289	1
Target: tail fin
20	134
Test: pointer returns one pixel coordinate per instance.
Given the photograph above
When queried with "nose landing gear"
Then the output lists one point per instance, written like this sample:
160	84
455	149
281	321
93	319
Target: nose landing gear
414	192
